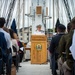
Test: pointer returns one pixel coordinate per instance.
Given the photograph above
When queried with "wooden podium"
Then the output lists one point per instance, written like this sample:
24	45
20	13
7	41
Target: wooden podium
38	49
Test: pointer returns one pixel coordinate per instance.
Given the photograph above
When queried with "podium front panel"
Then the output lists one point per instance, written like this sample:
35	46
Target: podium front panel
39	51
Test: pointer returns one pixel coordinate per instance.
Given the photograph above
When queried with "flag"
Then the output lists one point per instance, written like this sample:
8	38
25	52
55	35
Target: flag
13	26
57	24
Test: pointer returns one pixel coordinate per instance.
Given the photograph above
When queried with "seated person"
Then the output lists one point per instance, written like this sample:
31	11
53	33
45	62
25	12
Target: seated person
21	50
15	47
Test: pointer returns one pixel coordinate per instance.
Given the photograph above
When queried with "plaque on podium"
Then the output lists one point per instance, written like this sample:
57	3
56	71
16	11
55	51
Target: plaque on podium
38	49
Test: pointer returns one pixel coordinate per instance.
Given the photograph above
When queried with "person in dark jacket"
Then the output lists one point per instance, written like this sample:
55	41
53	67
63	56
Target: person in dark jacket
7	51
62	48
53	47
68	64
3	48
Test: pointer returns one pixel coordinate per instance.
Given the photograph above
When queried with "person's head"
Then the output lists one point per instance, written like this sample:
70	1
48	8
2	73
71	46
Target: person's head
11	33
61	28
69	26
38	27
73	23
16	36
2	22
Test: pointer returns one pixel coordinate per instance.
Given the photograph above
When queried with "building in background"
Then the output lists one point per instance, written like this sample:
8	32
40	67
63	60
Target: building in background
27	34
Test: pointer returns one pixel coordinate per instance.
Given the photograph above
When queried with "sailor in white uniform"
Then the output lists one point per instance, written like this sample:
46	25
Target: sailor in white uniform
39	31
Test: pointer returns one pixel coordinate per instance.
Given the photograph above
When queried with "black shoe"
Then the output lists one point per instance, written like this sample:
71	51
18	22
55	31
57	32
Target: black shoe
55	73
27	60
19	66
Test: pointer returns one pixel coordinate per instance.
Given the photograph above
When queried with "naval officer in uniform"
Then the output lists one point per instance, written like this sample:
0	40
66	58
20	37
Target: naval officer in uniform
39	31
